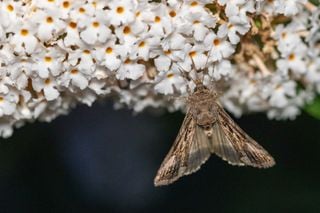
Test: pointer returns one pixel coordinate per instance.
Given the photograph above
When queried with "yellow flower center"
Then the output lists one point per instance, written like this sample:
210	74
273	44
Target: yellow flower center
216	42
47	81
95	24
192	54
292	57
66	4
127	30
194	3
82	10
48	59
74	71
168	52
170	75
49	20
172	13
86	52
10	8
142	44
157	19
24	32
120	10
109	50
73	25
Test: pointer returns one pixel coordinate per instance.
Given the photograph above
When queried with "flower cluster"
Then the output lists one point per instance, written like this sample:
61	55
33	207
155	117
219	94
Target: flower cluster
54	54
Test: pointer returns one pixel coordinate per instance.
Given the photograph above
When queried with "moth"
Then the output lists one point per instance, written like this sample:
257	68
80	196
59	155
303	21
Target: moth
208	129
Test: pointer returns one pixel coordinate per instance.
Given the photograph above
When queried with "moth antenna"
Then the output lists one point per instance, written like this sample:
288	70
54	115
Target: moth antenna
209	54
205	65
184	73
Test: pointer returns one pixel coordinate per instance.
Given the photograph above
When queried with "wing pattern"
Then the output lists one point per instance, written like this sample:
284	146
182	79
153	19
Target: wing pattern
193	147
189	151
232	144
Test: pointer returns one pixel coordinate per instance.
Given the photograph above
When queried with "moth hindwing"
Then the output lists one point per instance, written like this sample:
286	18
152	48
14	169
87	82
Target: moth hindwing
207	129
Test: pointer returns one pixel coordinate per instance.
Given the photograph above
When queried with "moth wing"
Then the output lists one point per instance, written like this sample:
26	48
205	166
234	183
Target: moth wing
199	151
232	144
189	151
223	147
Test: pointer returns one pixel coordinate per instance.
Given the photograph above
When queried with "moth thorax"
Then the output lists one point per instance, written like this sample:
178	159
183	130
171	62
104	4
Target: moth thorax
206	119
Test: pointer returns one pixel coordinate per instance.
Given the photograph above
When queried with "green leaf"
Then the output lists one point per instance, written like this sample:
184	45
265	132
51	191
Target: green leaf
313	108
258	23
315	2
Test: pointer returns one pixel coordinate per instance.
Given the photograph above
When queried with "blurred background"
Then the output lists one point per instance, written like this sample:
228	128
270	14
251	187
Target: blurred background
101	160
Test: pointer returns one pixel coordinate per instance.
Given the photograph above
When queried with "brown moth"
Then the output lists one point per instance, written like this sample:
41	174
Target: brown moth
207	129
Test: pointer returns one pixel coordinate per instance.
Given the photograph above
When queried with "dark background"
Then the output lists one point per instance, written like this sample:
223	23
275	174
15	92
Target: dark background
100	160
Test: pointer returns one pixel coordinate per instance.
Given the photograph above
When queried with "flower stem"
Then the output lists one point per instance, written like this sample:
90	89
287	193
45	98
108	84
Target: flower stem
309	6
259	63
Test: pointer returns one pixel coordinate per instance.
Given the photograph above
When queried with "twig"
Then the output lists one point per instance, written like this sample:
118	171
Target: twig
265	71
309	6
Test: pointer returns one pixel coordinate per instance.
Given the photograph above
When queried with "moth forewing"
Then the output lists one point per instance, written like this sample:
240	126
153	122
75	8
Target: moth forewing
186	155
236	147
223	148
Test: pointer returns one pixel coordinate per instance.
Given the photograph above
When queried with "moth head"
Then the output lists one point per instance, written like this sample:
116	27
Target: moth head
199	86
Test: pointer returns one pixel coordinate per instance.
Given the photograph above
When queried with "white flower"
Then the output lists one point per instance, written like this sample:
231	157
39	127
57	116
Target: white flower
288	7
46	4
49	22
198	25
143	47
232	29
238	8
48	62
99	87
121	12
74	77
281	92
170	81
24	40
313	74
5	82
127	39
83	60
287	37
66	7
8	103
195	59
195	6
6	129
109	55
218	47
162	63
82	13
95	32
20	73
48	86
130	70
72	36
221	69
294	61
160	22
11	12
174	41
